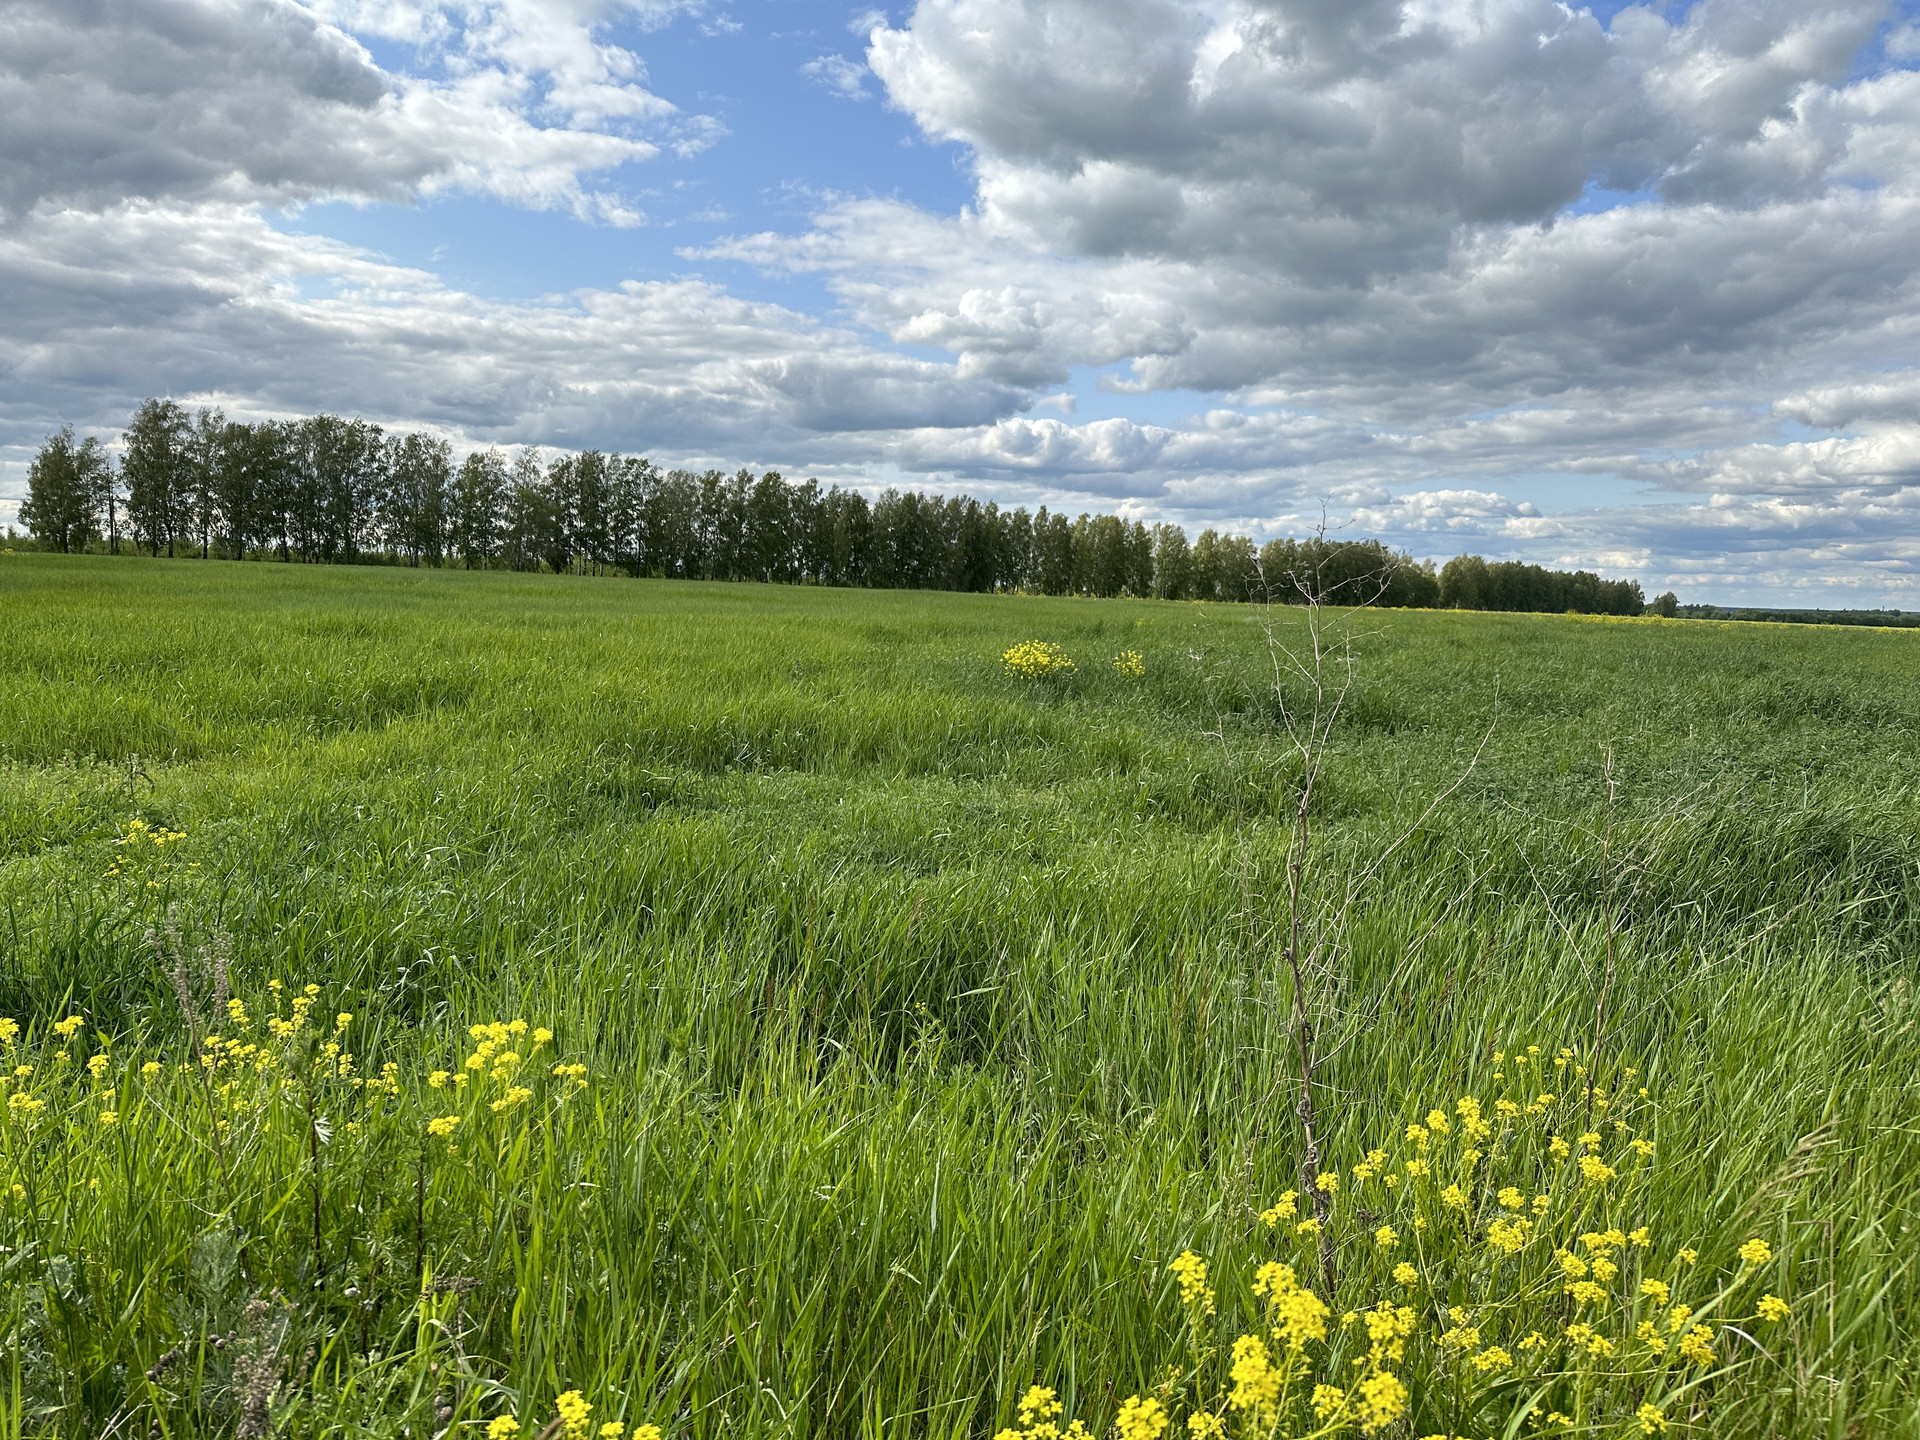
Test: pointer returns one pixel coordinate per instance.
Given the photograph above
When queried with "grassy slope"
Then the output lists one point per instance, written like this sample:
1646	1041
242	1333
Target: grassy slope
925	989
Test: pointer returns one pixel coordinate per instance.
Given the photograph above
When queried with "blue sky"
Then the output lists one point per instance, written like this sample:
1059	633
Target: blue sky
1625	287
790	139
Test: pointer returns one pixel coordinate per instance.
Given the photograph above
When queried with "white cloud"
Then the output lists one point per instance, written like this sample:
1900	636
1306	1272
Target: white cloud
267	101
224	305
839	75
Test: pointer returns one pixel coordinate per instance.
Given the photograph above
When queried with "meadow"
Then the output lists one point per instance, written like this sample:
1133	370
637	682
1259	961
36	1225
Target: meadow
488	1003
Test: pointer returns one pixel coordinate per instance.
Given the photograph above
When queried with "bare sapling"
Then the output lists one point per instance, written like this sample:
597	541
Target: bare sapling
1309	681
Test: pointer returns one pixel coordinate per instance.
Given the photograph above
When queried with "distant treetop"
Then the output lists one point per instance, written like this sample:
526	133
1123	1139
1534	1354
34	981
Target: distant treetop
325	490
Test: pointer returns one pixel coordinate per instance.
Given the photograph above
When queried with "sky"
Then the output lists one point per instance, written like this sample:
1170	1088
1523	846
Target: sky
1627	288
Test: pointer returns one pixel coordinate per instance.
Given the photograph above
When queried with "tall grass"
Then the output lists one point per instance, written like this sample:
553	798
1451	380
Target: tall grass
920	1022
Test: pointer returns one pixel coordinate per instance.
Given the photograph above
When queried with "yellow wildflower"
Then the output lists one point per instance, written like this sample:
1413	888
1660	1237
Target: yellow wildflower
1385	1237
1597	1171
1454	1198
518	1095
1327	1400
1036	660
1405	1274
438	1080
1492	1358
1038	1404
573	1408
1650	1418
503	1427
1205	1425
443	1125
109	1117
1696	1346
1256	1384
1657	1289
1191	1271
1141	1419
1511	1198
1773	1309
1282	1209
1756	1252
1388	1327
1382	1399
1507	1236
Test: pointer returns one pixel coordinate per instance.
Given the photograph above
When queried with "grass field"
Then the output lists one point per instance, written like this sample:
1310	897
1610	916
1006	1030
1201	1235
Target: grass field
926	1013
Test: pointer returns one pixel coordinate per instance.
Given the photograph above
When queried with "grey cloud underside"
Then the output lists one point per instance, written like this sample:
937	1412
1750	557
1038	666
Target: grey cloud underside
266	102
120	98
206	302
1363	205
1347	141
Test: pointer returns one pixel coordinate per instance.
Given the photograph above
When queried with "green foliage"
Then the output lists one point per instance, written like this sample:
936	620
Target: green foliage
1469	583
67	493
921	1024
332	491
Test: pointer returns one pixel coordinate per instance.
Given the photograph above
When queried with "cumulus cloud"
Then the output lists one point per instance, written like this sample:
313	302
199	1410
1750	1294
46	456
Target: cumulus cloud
94	307
271	102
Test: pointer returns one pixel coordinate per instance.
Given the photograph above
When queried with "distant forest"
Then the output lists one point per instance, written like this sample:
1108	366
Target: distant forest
324	490
1883	619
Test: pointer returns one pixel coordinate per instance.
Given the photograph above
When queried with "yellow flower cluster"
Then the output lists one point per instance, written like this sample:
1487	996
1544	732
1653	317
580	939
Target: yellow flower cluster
1129	665
139	844
1037	660
1191	1272
1508	1208
574	1409
1037	1416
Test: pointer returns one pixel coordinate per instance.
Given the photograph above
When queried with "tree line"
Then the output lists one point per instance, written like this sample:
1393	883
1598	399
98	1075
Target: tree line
325	490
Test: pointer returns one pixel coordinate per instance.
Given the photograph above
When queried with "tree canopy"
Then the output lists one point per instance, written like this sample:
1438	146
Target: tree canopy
327	490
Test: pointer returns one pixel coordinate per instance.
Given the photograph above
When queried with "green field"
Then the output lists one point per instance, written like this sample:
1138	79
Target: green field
926	1013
